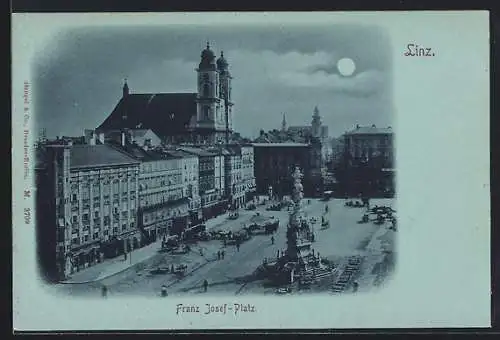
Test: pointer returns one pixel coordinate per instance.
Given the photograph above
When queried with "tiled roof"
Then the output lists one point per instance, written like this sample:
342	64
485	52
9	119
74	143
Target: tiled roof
369	130
84	156
166	114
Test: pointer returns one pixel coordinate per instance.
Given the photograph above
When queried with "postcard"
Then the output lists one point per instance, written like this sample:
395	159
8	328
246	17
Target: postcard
250	170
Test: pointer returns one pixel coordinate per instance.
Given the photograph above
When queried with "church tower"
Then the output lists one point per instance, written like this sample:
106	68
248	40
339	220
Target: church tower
125	89
316	124
210	113
283	123
225	94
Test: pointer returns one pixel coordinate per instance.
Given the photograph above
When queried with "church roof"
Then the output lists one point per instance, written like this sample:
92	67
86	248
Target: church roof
166	114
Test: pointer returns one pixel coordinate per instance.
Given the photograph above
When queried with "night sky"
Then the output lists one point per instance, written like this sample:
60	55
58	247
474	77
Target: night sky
79	74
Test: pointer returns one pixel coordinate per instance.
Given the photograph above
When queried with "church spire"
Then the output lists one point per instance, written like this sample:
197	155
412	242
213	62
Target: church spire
283	123
316	123
126	90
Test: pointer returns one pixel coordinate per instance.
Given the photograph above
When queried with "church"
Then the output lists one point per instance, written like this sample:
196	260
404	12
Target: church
204	117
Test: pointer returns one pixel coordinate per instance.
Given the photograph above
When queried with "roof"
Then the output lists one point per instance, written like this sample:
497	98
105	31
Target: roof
147	155
197	151
279	144
166	114
139	132
182	154
84	156
369	130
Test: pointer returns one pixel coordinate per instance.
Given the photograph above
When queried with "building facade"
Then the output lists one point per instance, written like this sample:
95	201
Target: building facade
210	180
367	166
191	167
274	164
96	197
248	171
163	208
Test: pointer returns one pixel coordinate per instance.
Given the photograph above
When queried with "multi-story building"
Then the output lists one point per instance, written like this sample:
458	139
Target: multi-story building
370	142
248	171
190	171
240	179
94	190
368	159
274	164
210	179
163	206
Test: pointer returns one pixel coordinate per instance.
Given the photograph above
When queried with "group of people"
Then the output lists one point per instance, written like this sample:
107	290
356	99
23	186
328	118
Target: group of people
220	254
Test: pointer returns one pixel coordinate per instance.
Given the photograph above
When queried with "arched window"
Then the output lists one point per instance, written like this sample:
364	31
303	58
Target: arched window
206	90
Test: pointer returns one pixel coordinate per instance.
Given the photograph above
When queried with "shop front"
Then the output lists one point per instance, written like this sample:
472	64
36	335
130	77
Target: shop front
83	256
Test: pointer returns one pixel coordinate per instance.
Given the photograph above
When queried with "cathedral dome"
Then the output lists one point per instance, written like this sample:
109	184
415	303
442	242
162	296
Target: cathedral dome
207	57
222	62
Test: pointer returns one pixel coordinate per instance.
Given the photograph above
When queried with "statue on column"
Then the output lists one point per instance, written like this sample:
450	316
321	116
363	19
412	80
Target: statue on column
294	222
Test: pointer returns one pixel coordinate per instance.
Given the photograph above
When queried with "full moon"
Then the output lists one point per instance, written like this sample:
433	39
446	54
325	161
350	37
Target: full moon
346	66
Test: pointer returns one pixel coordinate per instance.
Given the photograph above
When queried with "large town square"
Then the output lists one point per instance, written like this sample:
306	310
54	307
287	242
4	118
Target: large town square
181	193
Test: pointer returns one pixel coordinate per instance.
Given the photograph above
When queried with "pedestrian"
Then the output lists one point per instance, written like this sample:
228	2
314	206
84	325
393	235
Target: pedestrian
172	269
278	254
222	254
272	239
218	255
104	291
355	286
164	291
238	246
201	252
205	285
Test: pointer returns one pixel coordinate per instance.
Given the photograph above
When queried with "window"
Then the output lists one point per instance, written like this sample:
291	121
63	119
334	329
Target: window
86	238
85	217
124	227
75	219
96	236
206	90
206	113
115	230
73	198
